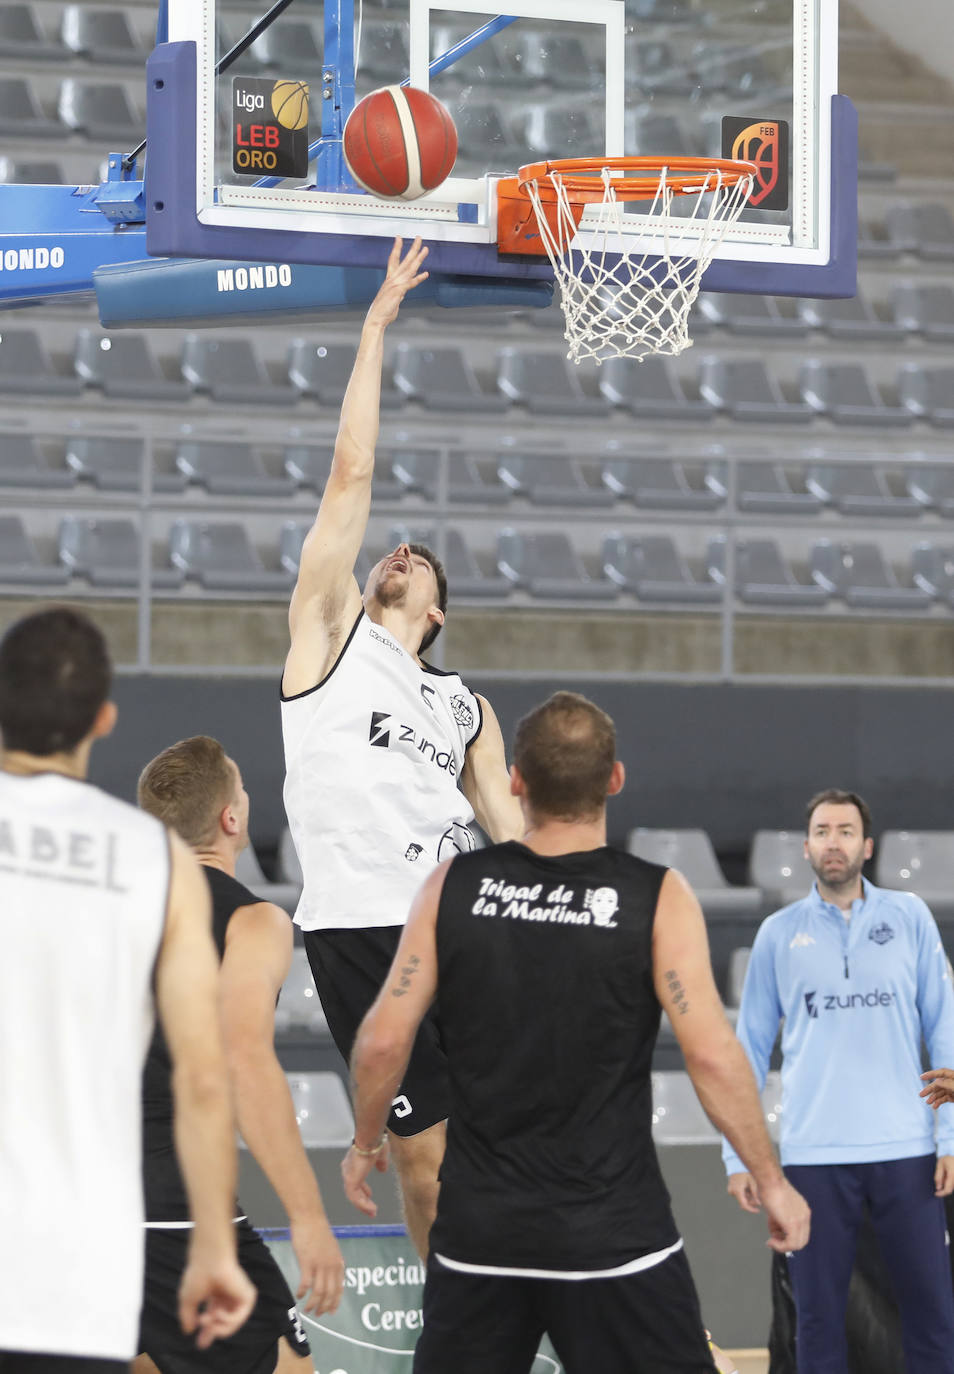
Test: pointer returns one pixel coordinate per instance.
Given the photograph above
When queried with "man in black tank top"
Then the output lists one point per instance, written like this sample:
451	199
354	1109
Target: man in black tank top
195	788
550	960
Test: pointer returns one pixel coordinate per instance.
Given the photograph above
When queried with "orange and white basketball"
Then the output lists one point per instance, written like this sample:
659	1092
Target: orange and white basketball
399	143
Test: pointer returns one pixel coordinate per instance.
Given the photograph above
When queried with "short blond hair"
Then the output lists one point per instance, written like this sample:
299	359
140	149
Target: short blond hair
187	786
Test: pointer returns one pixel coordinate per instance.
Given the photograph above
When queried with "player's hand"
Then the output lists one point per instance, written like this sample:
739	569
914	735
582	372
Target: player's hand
320	1264
944	1176
216	1297
403	275
355	1169
940	1086
789	1217
742	1188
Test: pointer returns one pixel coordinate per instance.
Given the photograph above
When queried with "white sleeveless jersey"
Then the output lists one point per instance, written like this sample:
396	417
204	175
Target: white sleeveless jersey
84	882
373	759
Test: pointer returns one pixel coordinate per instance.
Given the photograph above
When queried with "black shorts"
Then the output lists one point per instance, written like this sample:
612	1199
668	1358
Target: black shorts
17	1362
254	1347
349	968
643	1323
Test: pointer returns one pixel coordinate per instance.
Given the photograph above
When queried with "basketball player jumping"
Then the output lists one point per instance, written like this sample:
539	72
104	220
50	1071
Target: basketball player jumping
100	907
196	789
387	758
552	958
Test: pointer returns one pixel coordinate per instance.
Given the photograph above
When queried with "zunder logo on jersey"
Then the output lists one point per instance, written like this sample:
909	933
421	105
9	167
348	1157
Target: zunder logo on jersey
388	733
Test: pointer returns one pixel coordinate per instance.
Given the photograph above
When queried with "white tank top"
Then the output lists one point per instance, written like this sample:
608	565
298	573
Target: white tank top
83	888
373	758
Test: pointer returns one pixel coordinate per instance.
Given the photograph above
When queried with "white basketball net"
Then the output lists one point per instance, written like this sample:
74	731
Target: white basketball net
618	303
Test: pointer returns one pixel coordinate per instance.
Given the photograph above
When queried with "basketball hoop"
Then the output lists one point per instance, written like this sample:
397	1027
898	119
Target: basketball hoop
621	301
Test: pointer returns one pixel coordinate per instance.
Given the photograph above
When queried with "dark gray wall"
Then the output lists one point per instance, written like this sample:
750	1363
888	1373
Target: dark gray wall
731	759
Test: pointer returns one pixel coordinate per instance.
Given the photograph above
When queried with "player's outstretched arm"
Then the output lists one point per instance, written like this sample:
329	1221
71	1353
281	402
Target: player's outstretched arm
485	781
258	951
215	1296
720	1072
326	598
385	1039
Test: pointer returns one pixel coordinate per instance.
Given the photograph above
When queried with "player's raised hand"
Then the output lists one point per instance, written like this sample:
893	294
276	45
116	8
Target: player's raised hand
940	1087
404	273
216	1297
320	1264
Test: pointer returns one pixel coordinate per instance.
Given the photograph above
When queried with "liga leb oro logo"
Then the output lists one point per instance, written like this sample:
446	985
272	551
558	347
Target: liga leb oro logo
269	127
765	142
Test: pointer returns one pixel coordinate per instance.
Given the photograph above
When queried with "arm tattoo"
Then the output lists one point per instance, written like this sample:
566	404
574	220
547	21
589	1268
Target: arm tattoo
405	974
677	992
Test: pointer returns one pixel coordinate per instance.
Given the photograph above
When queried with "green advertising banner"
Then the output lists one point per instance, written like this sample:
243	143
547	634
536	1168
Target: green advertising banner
376	1327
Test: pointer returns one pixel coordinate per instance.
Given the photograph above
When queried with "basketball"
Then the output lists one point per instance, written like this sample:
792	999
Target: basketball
399	143
290	103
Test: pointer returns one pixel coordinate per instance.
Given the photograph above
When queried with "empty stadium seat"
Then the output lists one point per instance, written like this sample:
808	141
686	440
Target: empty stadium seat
547	566
778	866
299	1007
920	861
229	469
851	317
116	464
99	109
29	171
927	392
846	394
22	35
764	578
932	569
691	852
564	61
442	379
678	1115
550	480
860	574
323	370
738	966
20	564
231	370
475	481
650	389
322	1110
927	310
417	470
107	552
652	567
767	488
663	484
24	464
124	365
105	35
222	557
743	314
932	487
27	369
924	228
858	489
747	391
291	45
248	870
544	383
22	114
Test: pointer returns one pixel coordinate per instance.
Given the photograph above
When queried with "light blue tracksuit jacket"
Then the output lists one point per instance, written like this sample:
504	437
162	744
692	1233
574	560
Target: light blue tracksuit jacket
856	998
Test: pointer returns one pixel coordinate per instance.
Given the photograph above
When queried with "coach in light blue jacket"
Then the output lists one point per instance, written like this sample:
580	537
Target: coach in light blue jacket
857	975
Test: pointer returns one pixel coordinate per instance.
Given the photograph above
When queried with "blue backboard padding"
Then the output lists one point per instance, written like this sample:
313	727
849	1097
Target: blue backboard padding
206	290
175	231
